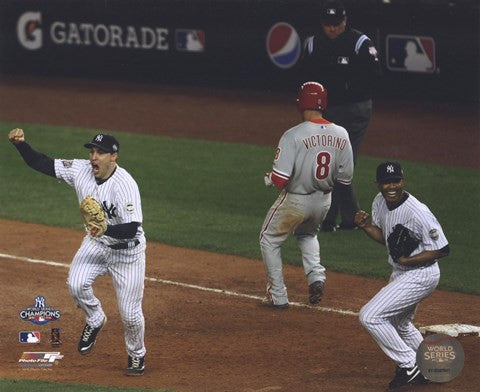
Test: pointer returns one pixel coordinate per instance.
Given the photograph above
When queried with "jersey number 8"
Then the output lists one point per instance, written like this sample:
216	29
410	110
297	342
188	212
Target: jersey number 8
323	165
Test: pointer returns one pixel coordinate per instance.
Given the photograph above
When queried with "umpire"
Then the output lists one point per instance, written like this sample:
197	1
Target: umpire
345	61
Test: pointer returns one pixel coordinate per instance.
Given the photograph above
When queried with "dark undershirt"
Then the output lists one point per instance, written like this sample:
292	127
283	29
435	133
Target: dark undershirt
46	165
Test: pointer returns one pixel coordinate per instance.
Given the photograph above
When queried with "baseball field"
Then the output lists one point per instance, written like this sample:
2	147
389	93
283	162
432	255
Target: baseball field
199	156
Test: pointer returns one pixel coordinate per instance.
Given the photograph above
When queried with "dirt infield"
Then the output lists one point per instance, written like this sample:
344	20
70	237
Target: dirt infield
207	340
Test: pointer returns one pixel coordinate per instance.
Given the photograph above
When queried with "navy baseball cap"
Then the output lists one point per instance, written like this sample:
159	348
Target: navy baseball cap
389	171
104	142
333	12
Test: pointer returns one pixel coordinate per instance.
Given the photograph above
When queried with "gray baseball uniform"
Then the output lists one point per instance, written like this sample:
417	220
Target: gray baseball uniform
309	158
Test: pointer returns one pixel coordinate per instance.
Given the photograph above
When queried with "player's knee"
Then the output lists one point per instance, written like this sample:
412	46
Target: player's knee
76	288
365	318
131	320
265	242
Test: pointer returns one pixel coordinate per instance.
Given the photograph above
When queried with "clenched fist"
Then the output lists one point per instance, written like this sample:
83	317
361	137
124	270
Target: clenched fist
16	136
361	219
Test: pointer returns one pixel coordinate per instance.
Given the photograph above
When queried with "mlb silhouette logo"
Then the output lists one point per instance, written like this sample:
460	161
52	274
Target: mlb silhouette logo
29	337
188	40
410	53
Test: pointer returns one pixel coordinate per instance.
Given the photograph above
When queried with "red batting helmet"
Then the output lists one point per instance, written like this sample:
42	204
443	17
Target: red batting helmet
311	96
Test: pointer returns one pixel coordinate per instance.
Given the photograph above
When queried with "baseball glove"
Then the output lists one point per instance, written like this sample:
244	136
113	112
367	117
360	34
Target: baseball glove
93	216
401	242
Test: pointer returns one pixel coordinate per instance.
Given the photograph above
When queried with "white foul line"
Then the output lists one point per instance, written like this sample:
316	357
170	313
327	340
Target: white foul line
191	286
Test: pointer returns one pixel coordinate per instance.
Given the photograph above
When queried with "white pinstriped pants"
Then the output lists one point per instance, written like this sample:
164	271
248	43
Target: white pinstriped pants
127	268
302	215
388	316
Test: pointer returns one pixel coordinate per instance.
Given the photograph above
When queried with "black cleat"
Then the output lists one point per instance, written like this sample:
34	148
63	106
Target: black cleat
268	302
136	366
89	337
407	377
315	292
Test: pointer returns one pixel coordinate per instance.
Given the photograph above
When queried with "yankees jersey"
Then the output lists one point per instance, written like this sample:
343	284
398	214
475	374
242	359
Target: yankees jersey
312	155
414	215
348	66
119	195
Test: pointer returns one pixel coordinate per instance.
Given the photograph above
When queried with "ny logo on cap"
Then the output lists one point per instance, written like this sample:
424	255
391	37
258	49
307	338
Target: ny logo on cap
390	169
331	11
99	138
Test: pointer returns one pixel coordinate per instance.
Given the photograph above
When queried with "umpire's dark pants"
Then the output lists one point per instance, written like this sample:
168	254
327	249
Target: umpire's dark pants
354	117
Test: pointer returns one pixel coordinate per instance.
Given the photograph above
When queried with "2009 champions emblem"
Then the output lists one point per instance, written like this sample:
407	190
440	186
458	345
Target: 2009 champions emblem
40	314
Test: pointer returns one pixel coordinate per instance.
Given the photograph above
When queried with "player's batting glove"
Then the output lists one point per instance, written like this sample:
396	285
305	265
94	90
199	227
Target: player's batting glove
16	136
267	179
93	216
401	242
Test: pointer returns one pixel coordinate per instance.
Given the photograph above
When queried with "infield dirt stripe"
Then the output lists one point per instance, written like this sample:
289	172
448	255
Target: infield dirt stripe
190	286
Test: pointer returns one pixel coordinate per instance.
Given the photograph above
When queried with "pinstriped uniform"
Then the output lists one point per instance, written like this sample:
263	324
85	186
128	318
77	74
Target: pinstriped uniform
120	198
388	316
310	156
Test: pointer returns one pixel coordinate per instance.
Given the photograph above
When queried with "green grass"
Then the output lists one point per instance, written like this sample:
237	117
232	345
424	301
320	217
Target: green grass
210	195
9	385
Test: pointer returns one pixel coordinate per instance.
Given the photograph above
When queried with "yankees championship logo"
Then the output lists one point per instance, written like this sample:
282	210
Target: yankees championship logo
40	314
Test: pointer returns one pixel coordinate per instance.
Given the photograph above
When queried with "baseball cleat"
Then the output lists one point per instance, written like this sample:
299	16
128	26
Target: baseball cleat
89	337
315	292
407	377
136	366
268	302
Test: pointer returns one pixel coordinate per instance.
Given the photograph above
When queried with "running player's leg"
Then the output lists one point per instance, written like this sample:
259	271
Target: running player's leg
89	263
316	206
128	275
281	220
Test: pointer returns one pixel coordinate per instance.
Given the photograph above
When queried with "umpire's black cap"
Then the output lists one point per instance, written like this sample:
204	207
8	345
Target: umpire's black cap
389	171
104	142
333	12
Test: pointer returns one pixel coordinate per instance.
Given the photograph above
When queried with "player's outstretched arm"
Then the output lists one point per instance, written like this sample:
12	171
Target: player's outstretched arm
362	220
36	160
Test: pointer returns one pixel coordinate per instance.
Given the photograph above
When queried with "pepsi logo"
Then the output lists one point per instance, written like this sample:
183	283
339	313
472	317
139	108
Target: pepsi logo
283	45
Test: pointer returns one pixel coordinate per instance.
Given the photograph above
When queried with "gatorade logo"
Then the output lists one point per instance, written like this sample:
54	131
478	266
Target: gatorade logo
28	30
283	45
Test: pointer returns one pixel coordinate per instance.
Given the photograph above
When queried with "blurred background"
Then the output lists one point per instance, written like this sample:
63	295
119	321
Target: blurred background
239	43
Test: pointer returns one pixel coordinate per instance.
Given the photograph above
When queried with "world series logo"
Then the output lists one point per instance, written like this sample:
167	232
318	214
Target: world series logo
40	314
440	357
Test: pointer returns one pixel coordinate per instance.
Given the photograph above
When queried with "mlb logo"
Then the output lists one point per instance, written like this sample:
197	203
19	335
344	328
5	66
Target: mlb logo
29	337
187	40
410	53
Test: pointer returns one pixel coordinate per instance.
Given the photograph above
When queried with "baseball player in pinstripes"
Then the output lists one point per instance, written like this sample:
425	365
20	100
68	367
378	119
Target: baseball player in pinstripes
309	158
120	252
388	316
